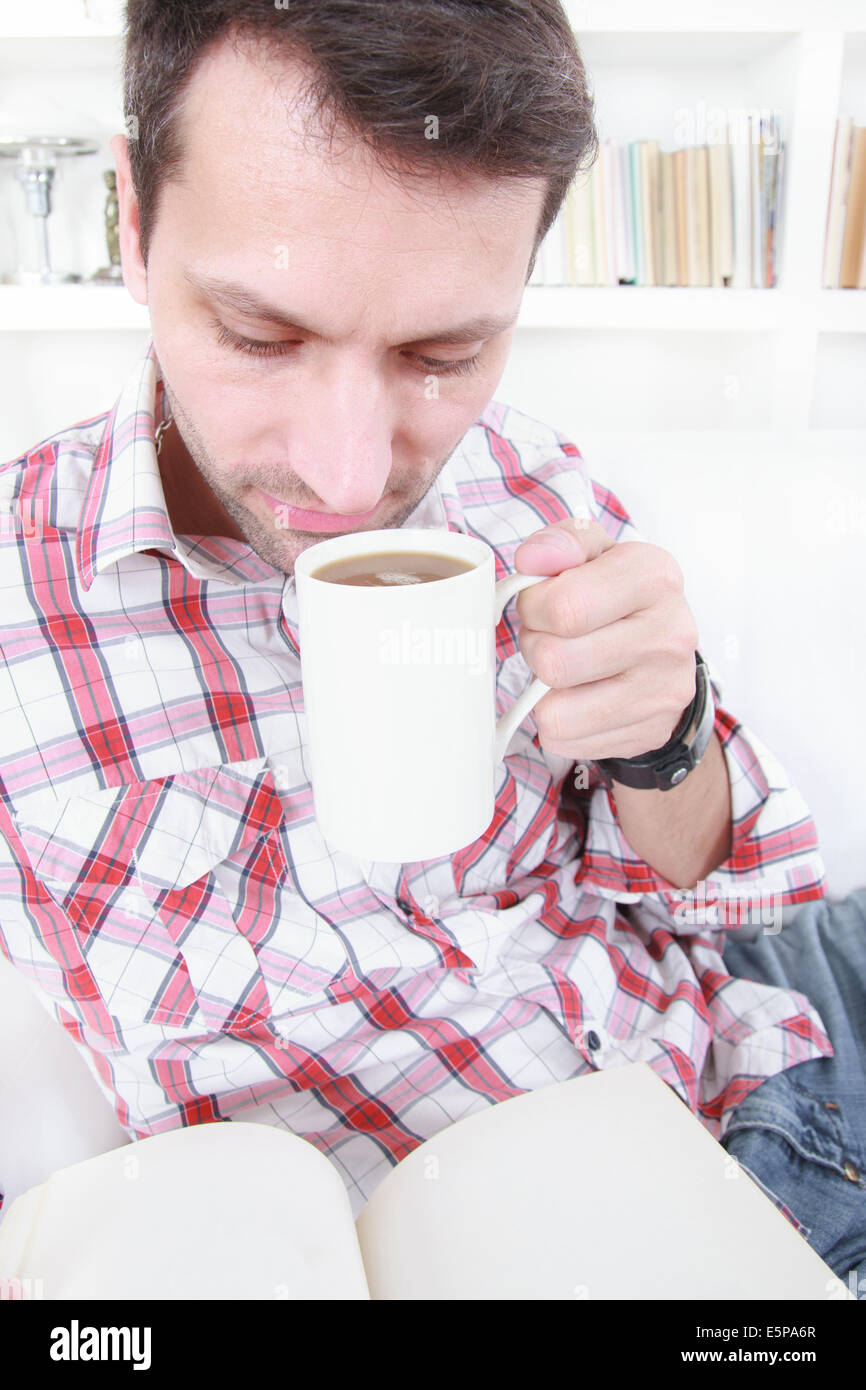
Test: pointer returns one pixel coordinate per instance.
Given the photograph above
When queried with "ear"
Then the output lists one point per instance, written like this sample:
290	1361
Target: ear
134	271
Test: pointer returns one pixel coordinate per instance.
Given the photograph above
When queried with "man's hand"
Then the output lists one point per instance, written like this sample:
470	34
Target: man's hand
613	636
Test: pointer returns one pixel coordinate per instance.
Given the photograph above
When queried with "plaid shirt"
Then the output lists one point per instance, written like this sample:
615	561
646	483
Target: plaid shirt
166	889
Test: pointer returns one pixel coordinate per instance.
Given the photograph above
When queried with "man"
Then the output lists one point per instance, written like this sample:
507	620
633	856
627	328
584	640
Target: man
330	319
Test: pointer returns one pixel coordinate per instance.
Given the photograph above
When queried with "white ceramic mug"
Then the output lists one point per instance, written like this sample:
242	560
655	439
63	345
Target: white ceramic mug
400	697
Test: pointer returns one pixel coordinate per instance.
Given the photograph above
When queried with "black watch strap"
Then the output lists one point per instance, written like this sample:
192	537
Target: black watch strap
663	768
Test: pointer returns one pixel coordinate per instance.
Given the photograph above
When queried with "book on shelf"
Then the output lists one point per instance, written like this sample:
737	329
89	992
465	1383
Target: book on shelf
722	215
698	215
635	228
648	150
667	218
701	202
602	1187
845	225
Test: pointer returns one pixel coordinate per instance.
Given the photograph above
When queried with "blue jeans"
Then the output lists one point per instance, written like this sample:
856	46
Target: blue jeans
802	1134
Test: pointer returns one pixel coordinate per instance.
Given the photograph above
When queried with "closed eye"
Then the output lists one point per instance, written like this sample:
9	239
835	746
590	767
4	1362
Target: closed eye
257	347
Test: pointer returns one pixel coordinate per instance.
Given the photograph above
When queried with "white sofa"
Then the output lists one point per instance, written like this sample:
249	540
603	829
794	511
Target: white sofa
52	1112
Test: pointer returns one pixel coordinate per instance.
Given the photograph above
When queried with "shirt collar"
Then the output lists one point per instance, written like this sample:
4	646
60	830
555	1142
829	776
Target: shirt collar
124	508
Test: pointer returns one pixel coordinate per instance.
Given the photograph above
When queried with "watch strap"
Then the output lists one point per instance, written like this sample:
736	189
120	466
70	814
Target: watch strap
665	767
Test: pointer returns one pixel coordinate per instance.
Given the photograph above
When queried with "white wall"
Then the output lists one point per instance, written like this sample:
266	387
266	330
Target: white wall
770	533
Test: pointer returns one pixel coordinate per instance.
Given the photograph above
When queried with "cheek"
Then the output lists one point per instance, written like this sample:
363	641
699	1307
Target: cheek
442	409
195	364
215	392
432	428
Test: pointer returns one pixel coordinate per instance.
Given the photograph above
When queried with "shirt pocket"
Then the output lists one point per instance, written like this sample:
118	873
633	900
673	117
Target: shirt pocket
180	895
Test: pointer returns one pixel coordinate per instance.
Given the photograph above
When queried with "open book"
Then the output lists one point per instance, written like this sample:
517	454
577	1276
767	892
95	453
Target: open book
603	1187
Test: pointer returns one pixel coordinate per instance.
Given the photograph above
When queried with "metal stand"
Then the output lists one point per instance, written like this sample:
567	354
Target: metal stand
37	157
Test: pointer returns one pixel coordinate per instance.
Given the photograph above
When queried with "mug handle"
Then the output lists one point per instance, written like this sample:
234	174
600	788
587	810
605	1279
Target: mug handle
505	726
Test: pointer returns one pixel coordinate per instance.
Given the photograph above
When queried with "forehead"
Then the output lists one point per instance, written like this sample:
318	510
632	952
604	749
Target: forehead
255	153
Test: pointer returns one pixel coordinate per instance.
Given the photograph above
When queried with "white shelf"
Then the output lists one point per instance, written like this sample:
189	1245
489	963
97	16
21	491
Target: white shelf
60	307
87	307
841	311
643	307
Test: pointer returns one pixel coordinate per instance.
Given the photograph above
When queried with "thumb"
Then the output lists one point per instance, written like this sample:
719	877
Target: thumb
561	546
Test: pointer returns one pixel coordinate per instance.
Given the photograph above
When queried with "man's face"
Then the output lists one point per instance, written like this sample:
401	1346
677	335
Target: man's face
341	415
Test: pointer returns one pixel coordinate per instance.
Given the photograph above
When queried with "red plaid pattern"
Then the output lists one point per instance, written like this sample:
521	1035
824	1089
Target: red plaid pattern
166	889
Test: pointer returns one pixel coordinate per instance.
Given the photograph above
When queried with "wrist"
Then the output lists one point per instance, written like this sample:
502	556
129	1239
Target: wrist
667	766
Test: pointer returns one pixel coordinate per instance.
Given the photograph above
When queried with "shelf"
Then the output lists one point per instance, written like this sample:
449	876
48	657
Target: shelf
841	311
646	307
81	307
640	307
87	307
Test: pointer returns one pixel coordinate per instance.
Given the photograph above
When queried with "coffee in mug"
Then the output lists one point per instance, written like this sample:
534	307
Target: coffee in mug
392	567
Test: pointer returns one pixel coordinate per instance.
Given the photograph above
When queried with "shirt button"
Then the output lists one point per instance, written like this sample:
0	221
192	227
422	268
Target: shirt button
595	1038
851	1172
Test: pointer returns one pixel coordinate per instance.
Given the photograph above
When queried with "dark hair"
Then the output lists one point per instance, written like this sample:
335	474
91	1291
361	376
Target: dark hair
504	78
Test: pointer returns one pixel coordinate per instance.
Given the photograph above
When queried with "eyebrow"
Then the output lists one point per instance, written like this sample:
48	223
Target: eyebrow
244	301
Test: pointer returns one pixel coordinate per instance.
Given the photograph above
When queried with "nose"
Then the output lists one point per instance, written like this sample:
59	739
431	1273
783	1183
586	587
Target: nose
340	440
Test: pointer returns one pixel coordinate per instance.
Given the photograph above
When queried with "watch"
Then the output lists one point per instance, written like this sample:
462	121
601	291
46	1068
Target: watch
663	768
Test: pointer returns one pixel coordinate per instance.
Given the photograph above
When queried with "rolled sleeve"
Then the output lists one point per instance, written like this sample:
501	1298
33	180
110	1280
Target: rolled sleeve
774	861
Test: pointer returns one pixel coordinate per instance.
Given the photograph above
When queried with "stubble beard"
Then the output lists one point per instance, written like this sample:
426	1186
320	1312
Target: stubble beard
278	546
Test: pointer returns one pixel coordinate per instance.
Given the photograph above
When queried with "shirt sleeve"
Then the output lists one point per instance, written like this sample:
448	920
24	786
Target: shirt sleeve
774	862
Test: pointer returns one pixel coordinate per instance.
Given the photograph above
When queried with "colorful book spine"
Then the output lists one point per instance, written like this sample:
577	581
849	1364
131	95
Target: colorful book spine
700	215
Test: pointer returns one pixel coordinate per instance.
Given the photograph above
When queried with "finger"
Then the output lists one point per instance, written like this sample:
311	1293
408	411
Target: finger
563	544
577	713
619	582
608	651
660	642
628	741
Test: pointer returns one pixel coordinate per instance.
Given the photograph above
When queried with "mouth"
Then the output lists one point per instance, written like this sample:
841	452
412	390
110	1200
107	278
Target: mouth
299	519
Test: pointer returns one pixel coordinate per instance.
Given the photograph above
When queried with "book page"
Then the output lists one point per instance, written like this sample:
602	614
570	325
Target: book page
603	1187
231	1210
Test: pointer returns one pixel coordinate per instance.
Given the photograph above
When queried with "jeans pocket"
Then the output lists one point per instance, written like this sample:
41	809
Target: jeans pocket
778	1202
